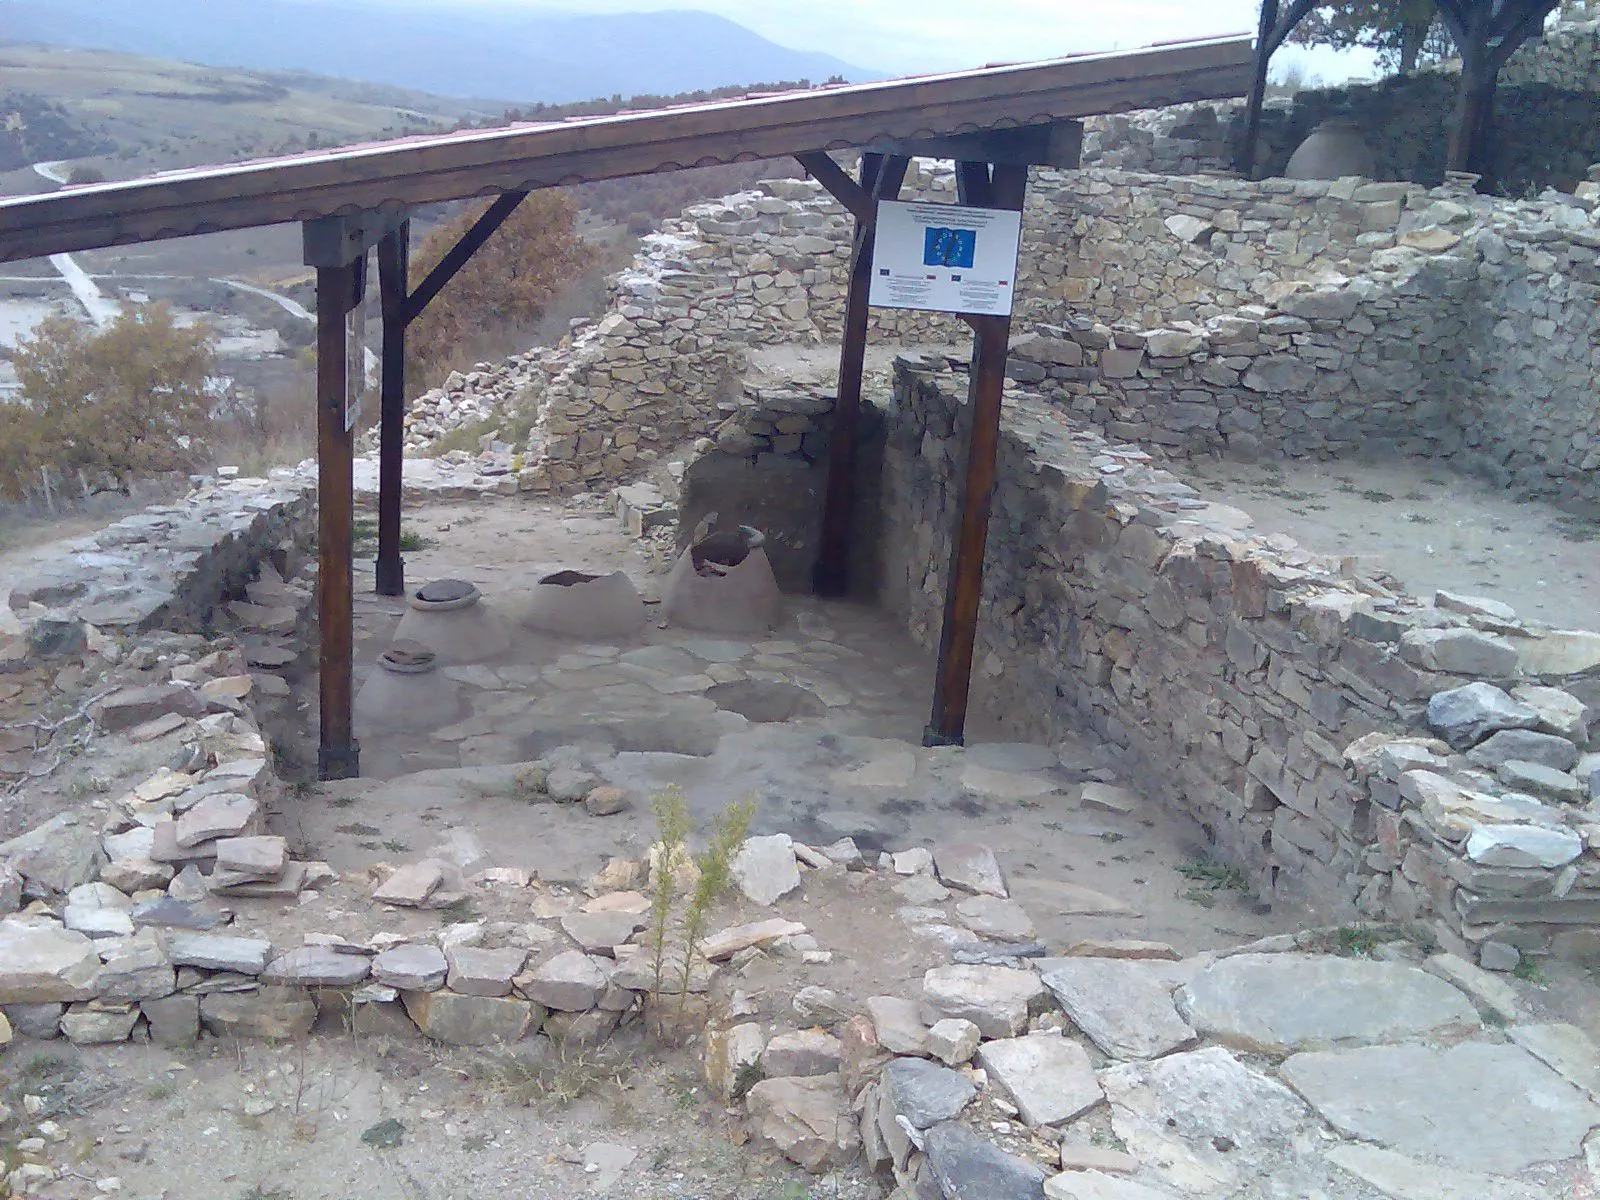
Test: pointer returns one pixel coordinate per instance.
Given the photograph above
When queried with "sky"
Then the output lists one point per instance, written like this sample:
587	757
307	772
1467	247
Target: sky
906	36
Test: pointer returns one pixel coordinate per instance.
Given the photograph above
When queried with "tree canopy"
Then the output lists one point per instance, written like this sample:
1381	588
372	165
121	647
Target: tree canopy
129	400
497	300
1485	33
1403	32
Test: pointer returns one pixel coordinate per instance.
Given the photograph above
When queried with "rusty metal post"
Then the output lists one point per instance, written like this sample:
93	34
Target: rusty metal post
881	177
964	583
338	755
393	266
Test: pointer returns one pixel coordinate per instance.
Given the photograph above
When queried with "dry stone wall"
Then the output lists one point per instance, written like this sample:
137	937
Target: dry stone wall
1197	315
1331	733
766	267
170	565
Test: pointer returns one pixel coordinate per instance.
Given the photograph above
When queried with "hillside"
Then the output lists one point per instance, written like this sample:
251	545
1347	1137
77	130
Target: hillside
139	114
469	49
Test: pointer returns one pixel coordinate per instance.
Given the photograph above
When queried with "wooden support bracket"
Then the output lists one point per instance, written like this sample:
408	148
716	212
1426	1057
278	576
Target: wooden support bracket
336	241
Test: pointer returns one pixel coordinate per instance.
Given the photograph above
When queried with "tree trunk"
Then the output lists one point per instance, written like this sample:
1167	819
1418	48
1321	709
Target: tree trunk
1412	38
1469	130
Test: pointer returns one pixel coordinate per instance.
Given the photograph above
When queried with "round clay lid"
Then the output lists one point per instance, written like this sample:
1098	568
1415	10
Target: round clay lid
442	591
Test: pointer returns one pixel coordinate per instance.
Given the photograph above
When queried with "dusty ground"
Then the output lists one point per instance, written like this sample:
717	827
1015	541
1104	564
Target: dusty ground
1429	526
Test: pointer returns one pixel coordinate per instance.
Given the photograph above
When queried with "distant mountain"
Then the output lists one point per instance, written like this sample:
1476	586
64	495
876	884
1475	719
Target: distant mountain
458	50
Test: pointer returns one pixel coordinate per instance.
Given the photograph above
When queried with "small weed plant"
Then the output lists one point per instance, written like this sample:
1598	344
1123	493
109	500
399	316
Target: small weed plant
681	899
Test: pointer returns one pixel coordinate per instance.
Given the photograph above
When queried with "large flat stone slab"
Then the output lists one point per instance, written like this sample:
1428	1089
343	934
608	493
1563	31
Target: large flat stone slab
969	1167
1097	1185
1209	1120
1402	1178
1047	1076
1475	1106
1124	1006
1565	1049
42	964
1279	1003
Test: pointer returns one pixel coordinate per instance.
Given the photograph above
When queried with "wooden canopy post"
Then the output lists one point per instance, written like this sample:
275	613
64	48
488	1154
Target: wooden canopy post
337	247
394	252
1005	188
338	755
880	178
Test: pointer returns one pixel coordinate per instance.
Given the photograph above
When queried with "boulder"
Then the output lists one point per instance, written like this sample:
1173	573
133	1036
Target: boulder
1464	716
1048	1077
765	868
732	1060
474	972
1524	745
898	1024
807	1052
137	705
569	982
472	1020
805	1120
411	966
1523	846
317	966
970	1167
1278	1003
926	1094
995	999
971	867
953	1041
57	856
279	1014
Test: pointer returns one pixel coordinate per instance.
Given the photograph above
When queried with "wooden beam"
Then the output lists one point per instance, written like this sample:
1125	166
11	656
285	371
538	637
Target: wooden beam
881	178
964	583
1055	144
821	167
335	241
481	162
338	756
456	257
394	253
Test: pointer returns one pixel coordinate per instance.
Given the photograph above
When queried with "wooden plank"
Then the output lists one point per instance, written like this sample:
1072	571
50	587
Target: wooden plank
837	181
393	175
964	583
394	253
456	257
338	756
